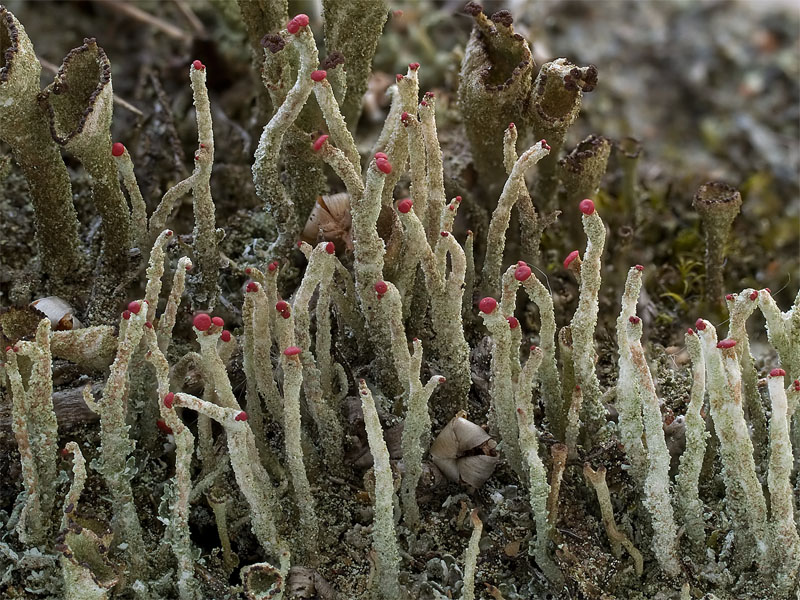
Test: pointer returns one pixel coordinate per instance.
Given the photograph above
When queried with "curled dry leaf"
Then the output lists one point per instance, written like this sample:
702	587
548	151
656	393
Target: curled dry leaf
58	311
464	452
330	221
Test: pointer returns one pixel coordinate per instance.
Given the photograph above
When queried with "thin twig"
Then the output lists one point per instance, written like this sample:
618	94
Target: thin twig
145	17
192	18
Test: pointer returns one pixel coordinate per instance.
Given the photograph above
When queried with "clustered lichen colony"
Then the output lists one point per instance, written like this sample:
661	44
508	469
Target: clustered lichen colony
412	278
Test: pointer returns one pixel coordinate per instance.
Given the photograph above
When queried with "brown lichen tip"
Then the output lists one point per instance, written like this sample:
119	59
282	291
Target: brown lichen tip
73	96
717	198
10	46
333	60
594	146
473	8
502	17
273	42
584	78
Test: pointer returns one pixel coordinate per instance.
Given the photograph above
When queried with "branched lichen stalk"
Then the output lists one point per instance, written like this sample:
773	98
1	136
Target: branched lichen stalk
116	443
740	307
31	527
444	291
530	227
498	226
615	536
505	361
549	376
434	166
319	273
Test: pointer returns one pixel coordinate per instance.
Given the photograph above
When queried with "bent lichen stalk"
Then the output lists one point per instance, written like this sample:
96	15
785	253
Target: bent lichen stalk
387	560
251	477
631	427
416	433
319	274
530	226
618	539
266	177
691	462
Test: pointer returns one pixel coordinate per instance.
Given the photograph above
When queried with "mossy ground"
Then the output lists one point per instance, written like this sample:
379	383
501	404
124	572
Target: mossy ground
710	89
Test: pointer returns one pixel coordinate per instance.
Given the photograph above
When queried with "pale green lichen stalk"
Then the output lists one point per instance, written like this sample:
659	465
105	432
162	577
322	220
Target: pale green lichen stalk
387	559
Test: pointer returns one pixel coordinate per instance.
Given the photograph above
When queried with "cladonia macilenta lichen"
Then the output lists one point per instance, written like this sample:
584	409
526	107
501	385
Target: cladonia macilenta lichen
317	432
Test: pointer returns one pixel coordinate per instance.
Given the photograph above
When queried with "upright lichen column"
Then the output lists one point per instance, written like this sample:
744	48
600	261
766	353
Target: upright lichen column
494	86
785	541
352	27
584	321
23	126
554	105
717	204
744	496
79	106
